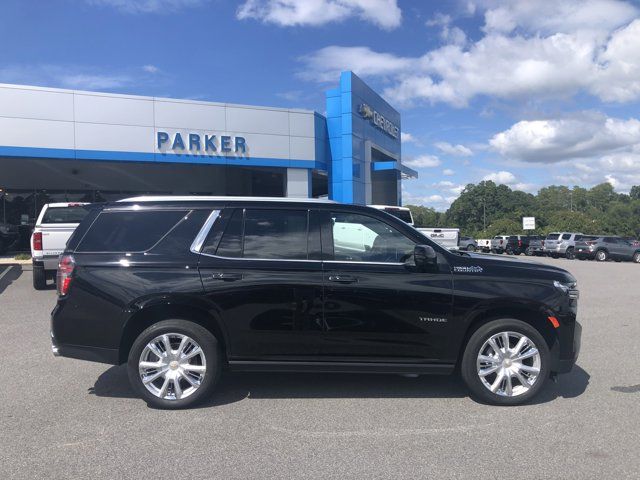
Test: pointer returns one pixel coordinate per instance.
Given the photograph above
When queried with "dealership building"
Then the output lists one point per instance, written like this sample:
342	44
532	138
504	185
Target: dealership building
66	145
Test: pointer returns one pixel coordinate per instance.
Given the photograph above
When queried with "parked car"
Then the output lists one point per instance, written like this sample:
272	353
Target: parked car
605	248
499	243
447	237
9	236
467	243
518	244
484	244
560	244
632	240
54	226
403	213
535	247
180	288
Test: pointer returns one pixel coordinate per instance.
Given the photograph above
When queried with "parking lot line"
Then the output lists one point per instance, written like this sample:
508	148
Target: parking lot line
6	270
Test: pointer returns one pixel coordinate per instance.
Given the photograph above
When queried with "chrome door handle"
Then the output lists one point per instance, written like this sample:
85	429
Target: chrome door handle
343	278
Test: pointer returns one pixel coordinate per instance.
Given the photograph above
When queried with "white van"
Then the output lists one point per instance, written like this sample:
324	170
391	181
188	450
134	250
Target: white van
403	213
447	237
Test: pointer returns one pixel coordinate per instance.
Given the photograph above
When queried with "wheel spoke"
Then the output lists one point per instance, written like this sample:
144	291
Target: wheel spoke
152	377
488	371
165	387
192	353
167	344
532	352
522	379
195	368
191	380
177	389
520	345
150	365
509	386
183	344
487	359
495	347
497	382
505	341
156	351
529	369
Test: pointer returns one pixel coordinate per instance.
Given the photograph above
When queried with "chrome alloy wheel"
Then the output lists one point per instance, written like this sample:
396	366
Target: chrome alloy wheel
508	364
172	366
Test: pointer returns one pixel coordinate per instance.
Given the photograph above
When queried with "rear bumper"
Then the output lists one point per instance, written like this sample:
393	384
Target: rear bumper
82	352
48	262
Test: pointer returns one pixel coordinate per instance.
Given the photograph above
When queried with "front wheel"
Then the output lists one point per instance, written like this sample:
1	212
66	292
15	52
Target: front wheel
602	256
471	248
636	257
174	364
529	252
505	362
570	254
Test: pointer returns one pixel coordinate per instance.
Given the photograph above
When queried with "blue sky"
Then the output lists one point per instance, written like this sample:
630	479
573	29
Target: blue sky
524	93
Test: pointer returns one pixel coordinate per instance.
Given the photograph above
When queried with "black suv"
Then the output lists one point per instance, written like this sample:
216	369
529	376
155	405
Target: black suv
181	288
517	244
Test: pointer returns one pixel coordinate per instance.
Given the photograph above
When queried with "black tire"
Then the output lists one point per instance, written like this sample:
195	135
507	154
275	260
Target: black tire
471	248
570	253
39	278
210	348
602	256
636	257
509	251
468	367
529	252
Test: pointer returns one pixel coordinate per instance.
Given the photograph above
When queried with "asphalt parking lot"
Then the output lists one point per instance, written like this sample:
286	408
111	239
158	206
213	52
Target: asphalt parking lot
64	418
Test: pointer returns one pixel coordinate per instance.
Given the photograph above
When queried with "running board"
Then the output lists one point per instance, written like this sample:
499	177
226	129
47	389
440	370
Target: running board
340	367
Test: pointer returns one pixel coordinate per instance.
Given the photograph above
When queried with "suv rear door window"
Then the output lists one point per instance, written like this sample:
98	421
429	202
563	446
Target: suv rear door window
566	236
275	234
553	236
129	231
73	214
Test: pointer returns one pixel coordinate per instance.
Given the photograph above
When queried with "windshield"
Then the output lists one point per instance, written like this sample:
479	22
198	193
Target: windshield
404	215
73	214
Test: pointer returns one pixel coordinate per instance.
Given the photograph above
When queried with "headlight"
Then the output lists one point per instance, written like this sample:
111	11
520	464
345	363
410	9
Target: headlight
568	288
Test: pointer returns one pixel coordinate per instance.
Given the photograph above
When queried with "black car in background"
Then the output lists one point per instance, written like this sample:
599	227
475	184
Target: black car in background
527	244
9	236
181	288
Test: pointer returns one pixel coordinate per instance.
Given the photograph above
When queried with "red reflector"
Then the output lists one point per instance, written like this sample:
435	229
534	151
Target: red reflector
554	321
37	241
519	243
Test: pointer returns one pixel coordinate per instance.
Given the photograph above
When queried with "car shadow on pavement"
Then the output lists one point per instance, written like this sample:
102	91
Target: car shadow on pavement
9	274
234	387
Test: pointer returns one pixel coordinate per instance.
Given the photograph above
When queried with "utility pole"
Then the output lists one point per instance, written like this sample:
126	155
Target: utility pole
484	216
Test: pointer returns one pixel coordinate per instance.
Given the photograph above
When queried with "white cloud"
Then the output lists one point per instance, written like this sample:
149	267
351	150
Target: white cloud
535	48
67	76
448	172
502	176
406	137
150	68
456	150
584	135
325	65
146	6
422	161
288	13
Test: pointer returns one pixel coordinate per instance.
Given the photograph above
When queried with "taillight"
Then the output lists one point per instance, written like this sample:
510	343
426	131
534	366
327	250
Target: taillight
519	243
37	241
543	243
500	242
66	266
590	243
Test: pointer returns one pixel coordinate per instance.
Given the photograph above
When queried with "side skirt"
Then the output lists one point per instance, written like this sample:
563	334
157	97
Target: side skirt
339	367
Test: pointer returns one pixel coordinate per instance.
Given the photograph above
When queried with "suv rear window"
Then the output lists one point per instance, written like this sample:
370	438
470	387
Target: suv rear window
73	214
129	231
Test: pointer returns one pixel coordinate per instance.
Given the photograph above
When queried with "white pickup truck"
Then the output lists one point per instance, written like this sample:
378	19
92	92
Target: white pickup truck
54	226
447	237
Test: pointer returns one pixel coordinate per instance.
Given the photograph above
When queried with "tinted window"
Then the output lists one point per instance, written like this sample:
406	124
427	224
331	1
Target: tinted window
65	214
276	234
361	238
611	240
231	242
130	231
404	215
553	236
566	236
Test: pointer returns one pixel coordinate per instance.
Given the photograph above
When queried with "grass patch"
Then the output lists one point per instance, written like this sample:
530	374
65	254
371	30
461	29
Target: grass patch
23	256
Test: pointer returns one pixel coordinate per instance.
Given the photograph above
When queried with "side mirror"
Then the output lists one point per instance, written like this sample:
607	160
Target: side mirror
425	256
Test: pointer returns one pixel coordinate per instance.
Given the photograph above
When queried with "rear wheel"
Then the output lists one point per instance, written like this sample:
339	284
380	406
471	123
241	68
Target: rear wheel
529	252
471	248
636	257
174	364
505	362
602	256
570	254
39	278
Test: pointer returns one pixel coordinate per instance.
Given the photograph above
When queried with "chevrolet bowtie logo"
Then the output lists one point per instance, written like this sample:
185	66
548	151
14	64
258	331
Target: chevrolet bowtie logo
365	110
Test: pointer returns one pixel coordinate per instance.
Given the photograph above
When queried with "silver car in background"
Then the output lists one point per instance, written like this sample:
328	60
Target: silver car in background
561	244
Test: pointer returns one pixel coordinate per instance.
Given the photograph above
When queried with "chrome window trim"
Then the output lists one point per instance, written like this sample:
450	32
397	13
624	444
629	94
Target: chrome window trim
196	246
262	259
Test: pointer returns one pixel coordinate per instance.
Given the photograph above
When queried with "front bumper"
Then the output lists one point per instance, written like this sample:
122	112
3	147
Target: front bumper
585	253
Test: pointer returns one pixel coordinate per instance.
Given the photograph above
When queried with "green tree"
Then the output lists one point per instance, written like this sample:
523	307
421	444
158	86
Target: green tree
425	216
635	192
